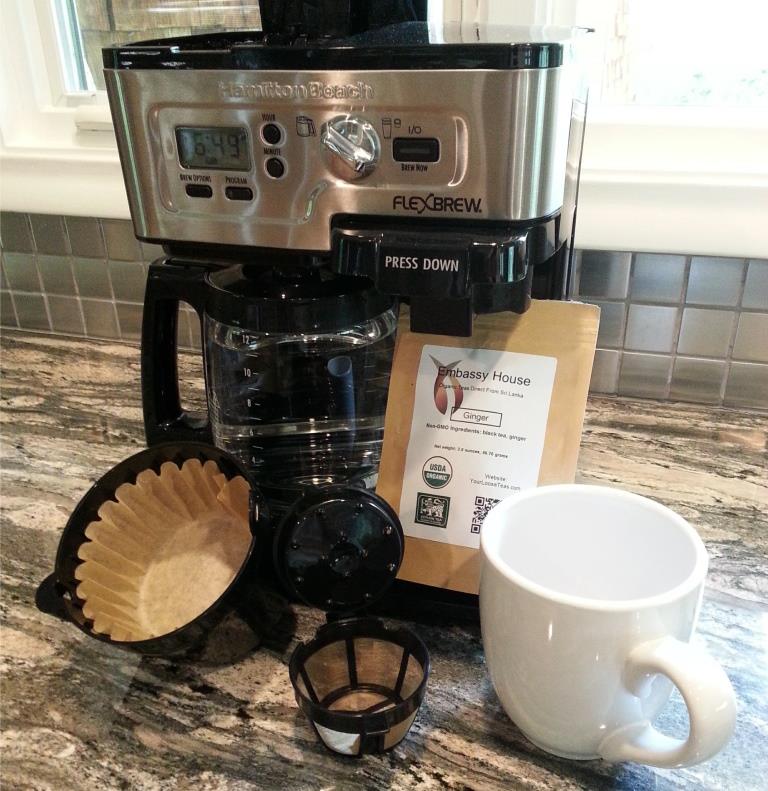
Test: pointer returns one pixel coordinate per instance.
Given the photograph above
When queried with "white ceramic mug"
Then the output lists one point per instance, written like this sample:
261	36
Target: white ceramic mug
588	599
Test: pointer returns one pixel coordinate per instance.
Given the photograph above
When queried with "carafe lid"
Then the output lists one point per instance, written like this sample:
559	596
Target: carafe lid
339	548
291	299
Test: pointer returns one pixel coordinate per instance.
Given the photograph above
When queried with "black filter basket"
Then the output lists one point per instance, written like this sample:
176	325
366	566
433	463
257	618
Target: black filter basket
60	593
359	681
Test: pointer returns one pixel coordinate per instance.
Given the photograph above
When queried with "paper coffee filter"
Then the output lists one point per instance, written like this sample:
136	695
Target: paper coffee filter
164	550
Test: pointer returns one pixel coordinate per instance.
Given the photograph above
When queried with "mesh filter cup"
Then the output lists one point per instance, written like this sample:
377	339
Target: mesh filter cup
359	681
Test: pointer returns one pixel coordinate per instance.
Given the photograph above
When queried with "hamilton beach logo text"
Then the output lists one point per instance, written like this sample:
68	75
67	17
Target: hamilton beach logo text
432	202
308	90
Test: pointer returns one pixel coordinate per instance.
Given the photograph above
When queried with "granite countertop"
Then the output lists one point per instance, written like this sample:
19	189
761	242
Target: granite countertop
80	714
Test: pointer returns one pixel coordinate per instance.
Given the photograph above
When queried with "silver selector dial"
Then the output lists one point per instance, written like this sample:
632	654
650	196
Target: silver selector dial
351	146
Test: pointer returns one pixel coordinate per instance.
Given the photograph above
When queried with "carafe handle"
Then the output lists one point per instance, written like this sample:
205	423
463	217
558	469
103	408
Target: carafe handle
164	418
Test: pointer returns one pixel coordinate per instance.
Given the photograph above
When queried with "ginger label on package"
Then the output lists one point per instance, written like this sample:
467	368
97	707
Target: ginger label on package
477	436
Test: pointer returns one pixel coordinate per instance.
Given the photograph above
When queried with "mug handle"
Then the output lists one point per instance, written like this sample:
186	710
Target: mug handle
707	693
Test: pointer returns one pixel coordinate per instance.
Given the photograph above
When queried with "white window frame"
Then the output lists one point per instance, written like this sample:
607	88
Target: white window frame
677	180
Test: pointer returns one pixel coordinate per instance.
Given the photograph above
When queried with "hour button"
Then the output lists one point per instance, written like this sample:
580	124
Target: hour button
239	193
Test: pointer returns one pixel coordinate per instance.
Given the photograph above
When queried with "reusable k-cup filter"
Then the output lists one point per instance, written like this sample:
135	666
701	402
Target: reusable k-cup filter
153	552
359	682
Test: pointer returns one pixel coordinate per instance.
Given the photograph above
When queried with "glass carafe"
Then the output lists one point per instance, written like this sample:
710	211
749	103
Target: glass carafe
297	366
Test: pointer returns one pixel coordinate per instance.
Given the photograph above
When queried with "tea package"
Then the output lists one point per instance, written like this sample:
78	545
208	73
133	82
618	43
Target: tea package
472	420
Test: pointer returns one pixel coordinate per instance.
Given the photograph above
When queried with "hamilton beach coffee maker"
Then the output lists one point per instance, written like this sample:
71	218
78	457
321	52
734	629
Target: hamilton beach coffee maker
306	181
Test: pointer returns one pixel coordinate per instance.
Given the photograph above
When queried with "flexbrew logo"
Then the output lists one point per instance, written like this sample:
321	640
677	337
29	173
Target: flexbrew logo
438	203
441	389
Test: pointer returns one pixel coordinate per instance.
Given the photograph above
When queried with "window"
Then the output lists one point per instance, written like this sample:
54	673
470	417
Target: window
684	53
652	52
99	23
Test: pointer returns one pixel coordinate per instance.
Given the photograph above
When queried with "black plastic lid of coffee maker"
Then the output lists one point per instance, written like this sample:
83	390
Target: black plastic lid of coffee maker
293	300
339	548
403	45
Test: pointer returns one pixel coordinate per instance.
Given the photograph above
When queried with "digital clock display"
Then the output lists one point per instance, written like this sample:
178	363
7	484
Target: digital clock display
213	147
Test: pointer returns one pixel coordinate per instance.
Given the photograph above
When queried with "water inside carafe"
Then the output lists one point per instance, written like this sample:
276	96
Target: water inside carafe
301	410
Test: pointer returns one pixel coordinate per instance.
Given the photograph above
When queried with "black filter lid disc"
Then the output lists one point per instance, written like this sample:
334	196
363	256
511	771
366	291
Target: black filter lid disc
339	548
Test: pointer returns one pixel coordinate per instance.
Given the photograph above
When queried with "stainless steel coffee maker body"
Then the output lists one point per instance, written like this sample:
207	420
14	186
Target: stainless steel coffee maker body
484	145
304	182
442	164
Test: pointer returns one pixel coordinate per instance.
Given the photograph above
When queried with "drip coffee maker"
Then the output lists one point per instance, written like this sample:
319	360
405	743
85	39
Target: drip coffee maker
306	179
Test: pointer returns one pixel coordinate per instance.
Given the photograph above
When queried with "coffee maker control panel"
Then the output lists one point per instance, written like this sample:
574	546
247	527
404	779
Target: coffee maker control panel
301	151
269	159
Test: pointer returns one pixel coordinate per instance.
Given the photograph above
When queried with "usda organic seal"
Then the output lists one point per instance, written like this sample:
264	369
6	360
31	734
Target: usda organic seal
436	472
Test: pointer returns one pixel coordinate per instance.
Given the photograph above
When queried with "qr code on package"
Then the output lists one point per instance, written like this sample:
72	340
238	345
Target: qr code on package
482	506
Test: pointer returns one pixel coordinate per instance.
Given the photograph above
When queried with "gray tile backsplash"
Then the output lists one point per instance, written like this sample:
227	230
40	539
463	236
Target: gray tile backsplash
7	311
16	232
756	286
122	245
150	252
706	332
129	318
696	327
658	278
612	321
56	272
50	234
85	237
66	315
92	277
672	326
651	328
129	279
715	281
31	311
100	318
747	385
21	272
644	375
605	274
752	338
605	371
694	379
